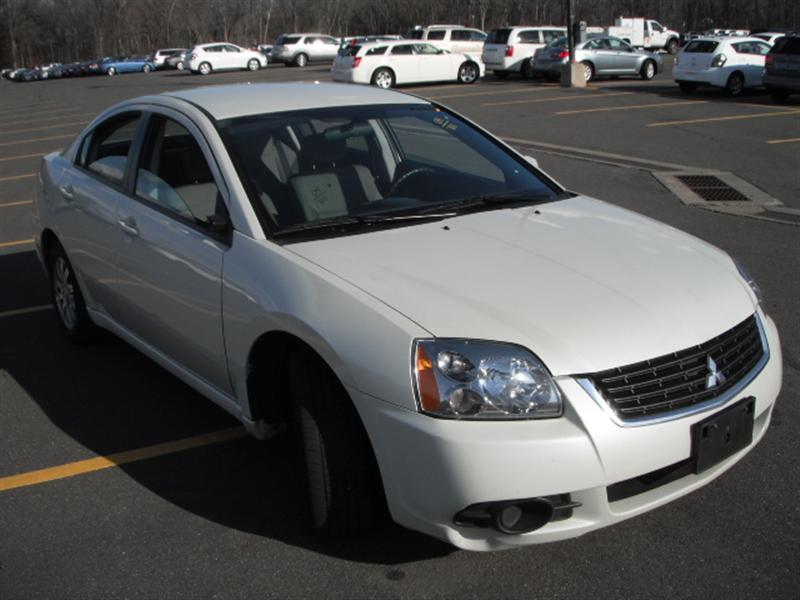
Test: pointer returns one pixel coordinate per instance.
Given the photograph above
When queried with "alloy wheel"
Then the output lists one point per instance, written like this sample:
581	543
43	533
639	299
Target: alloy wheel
64	294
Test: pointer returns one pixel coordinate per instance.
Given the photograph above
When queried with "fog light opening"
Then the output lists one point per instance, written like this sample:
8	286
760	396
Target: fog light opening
521	517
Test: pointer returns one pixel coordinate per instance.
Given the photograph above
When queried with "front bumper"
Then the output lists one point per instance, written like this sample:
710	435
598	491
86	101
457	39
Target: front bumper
433	468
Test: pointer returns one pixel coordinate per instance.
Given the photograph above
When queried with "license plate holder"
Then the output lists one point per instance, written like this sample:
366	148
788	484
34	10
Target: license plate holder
722	435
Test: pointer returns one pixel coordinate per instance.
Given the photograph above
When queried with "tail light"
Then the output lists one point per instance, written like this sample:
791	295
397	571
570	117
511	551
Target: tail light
563	54
509	51
719	60
356	61
769	60
193	56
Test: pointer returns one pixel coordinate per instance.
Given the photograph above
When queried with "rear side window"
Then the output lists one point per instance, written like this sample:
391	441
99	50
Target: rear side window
477	36
436	35
498	36
787	45
174	175
379	51
105	150
459	35
551	35
751	48
349	50
528	37
287	40
404	49
701	47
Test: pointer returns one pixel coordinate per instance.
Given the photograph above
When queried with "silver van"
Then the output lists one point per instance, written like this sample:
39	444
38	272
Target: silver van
299	49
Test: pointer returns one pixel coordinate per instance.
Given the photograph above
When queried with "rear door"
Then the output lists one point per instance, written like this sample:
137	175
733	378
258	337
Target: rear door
752	56
404	62
169	258
435	64
494	50
698	54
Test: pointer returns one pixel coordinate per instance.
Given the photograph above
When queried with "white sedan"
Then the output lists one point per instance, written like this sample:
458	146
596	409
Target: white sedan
448	331
207	58
387	64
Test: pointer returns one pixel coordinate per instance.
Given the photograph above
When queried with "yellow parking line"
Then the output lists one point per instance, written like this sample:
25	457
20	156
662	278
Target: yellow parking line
25	311
44	139
629	107
120	458
21	156
729	118
554	98
17	203
785	141
13	177
60	125
495	93
15	243
27	113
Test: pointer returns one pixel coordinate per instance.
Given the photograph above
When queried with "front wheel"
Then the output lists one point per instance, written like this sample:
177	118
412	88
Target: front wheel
526	70
147	68
672	46
468	73
648	70
253	64
111	71
179	66
68	300
344	489
779	95
383	78
735	85
204	68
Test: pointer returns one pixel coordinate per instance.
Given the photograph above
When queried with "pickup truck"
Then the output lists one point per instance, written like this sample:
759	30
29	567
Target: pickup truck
642	33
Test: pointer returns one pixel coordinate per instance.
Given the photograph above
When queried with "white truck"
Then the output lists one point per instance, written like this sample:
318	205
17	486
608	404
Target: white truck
642	33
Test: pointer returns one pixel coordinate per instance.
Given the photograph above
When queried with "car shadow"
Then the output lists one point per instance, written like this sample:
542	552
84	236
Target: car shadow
109	398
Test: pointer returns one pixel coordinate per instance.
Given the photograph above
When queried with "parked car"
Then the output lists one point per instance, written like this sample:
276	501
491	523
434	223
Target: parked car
206	58
600	56
386	64
769	36
4	74
177	61
120	64
445	328
159	57
299	49
509	49
265	49
733	64
782	68
453	38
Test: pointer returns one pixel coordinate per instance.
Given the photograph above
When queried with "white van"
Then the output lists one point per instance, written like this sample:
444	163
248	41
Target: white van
453	38
508	49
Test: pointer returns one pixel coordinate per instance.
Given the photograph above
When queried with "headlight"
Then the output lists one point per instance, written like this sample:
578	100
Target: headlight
469	379
750	281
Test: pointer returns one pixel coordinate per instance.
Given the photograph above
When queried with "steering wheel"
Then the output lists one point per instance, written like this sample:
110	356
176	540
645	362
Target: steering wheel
405	176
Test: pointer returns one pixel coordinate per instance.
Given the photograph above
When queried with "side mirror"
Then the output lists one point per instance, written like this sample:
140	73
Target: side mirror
219	223
534	163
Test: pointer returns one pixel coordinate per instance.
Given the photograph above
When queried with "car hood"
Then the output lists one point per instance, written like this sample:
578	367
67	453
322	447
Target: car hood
583	284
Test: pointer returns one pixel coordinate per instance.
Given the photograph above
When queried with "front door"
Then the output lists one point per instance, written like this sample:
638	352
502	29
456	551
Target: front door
169	259
404	63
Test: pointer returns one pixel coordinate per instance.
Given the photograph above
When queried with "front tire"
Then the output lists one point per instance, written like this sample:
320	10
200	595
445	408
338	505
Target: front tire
383	78
111	71
204	68
648	70
526	70
301	60
588	71
468	73
343	481
68	300
672	46
179	65
147	69
735	85
253	64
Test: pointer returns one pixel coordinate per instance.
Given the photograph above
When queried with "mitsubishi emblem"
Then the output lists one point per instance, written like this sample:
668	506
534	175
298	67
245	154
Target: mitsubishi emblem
715	377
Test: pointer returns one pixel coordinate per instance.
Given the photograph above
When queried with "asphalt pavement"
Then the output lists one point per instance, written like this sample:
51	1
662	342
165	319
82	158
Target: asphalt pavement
210	518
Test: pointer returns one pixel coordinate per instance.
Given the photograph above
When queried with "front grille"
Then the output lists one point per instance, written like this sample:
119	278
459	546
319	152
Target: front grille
682	379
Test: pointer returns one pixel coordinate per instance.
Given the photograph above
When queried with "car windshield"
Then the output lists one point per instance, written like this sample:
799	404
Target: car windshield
307	167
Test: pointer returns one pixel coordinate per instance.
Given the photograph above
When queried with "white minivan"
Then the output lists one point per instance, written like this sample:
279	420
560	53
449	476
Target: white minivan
508	49
453	38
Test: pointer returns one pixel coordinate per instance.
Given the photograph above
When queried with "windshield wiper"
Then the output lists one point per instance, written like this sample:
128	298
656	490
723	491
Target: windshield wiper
493	200
356	222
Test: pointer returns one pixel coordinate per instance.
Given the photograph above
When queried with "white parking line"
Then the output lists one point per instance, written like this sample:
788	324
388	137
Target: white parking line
25	311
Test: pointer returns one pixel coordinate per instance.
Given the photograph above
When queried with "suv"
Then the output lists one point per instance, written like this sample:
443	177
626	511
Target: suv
508	49
453	38
159	57
782	68
299	49
731	63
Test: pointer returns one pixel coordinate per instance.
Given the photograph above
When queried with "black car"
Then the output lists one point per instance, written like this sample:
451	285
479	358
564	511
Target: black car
782	68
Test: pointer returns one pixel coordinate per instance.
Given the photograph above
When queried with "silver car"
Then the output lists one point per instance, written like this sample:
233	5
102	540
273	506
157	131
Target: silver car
299	49
600	56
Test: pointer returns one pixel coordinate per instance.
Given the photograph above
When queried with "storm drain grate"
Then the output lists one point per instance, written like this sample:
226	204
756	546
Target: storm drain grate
712	189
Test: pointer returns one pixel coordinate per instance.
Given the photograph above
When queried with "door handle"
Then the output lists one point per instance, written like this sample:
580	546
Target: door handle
67	191
128	225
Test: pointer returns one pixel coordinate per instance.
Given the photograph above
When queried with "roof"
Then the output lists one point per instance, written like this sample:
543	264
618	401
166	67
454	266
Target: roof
238	100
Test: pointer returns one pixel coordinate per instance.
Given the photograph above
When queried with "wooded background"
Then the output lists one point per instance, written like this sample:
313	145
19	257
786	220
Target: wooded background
41	31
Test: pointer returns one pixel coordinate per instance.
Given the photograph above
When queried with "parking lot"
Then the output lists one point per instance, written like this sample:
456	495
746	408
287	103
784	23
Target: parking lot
117	480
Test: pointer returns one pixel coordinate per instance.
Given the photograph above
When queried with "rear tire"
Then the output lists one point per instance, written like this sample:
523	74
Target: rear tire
648	70
687	87
672	46
383	78
204	68
68	299
468	72
735	85
526	70
588	71
147	68
111	71
301	60
344	488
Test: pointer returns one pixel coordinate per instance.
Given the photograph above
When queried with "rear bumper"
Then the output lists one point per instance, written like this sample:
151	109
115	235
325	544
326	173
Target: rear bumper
715	76
782	82
434	468
350	75
548	67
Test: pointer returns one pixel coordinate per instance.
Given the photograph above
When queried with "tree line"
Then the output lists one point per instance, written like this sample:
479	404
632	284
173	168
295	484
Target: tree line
40	31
